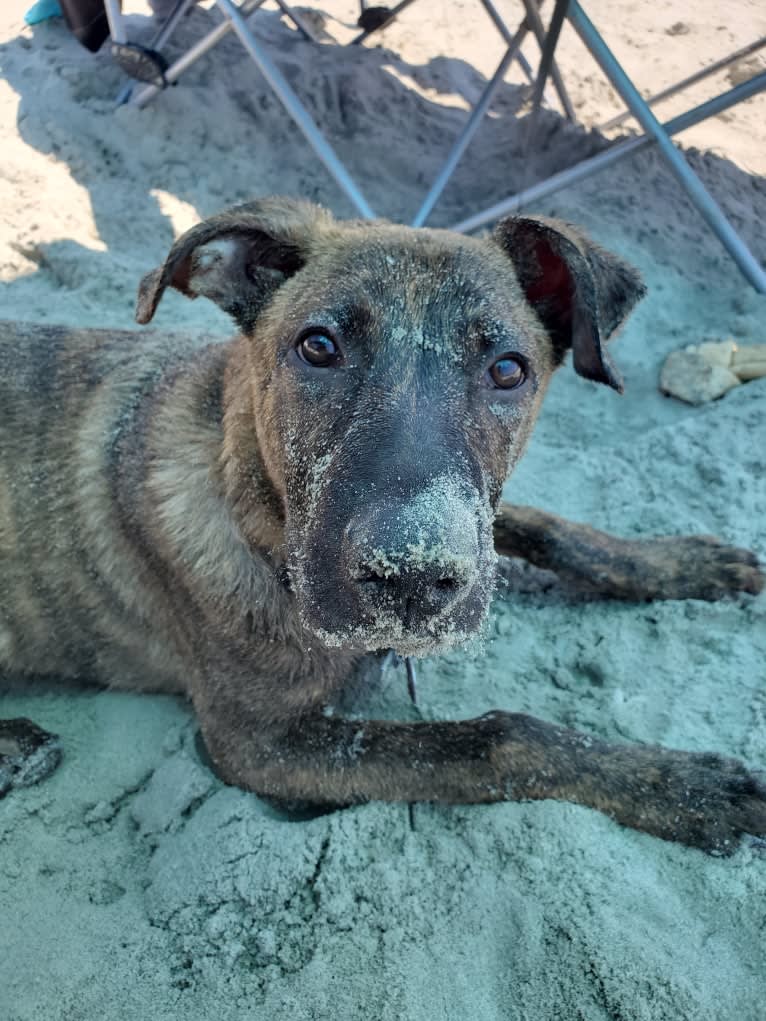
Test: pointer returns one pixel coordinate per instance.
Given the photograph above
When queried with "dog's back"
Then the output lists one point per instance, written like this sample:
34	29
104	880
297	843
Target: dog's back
67	397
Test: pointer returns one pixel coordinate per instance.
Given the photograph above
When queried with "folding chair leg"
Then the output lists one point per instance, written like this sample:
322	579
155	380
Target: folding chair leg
234	20
524	64
142	96
114	18
698	76
615	153
500	25
171	24
157	42
298	20
166	31
464	138
295	109
547	50
694	188
536	24
469	130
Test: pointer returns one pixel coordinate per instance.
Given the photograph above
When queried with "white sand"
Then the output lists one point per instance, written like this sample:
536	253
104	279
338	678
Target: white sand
132	884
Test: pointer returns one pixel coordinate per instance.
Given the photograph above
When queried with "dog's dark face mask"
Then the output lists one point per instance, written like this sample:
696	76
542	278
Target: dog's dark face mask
396	375
403	386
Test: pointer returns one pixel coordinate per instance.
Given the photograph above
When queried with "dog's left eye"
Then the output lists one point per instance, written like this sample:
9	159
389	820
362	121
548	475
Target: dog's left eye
507	372
318	349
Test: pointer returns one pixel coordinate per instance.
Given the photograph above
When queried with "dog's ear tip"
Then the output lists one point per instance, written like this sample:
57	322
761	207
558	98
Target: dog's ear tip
605	373
144	312
149	291
612	379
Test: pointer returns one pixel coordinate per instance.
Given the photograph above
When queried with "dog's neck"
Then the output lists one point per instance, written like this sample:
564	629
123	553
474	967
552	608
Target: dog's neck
250	495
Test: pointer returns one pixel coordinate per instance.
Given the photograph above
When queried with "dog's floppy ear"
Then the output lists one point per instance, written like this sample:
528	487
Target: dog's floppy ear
236	258
581	292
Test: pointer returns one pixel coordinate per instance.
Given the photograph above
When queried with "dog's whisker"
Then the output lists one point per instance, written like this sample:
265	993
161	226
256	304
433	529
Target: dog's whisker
412	691
412	682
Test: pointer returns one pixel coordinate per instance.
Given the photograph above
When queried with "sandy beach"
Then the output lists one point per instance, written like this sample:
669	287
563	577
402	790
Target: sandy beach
133	883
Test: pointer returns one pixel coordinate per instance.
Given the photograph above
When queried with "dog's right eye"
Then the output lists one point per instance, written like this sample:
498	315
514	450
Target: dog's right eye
318	349
507	373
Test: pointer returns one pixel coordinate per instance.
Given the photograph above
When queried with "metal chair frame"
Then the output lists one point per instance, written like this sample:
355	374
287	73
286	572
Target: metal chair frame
235	18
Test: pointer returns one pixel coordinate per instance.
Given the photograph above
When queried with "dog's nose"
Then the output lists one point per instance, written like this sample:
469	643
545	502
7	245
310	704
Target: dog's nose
416	557
410	588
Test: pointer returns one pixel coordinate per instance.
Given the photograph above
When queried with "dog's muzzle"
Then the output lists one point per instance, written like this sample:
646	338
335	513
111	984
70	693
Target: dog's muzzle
413	574
415	567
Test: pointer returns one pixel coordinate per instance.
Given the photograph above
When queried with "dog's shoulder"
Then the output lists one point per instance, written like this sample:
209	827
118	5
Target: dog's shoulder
42	360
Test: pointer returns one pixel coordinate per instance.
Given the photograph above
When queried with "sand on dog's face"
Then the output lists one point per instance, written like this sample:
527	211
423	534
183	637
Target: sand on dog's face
446	526
393	457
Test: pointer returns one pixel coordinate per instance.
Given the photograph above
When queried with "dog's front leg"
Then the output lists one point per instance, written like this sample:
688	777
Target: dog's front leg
671	567
317	757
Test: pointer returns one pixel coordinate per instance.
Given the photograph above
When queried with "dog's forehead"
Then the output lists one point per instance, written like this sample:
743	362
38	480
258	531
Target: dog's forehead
424	273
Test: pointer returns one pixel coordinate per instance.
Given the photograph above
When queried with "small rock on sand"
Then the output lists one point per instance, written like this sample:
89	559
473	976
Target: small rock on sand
699	374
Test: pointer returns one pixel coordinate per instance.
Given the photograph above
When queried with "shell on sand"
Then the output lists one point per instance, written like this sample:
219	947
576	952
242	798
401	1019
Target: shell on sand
704	372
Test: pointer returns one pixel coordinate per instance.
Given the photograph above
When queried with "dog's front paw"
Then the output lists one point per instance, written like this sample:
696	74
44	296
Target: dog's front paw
703	800
680	567
706	568
28	753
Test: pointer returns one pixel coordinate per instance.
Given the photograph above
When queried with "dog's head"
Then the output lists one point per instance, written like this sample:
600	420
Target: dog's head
395	375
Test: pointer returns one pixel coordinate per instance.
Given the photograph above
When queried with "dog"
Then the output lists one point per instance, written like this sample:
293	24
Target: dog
247	523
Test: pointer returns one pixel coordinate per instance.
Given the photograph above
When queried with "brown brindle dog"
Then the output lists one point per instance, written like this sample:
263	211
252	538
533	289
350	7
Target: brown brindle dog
244	522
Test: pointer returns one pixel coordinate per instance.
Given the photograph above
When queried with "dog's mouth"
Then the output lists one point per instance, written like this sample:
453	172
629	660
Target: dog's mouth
387	629
418	604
